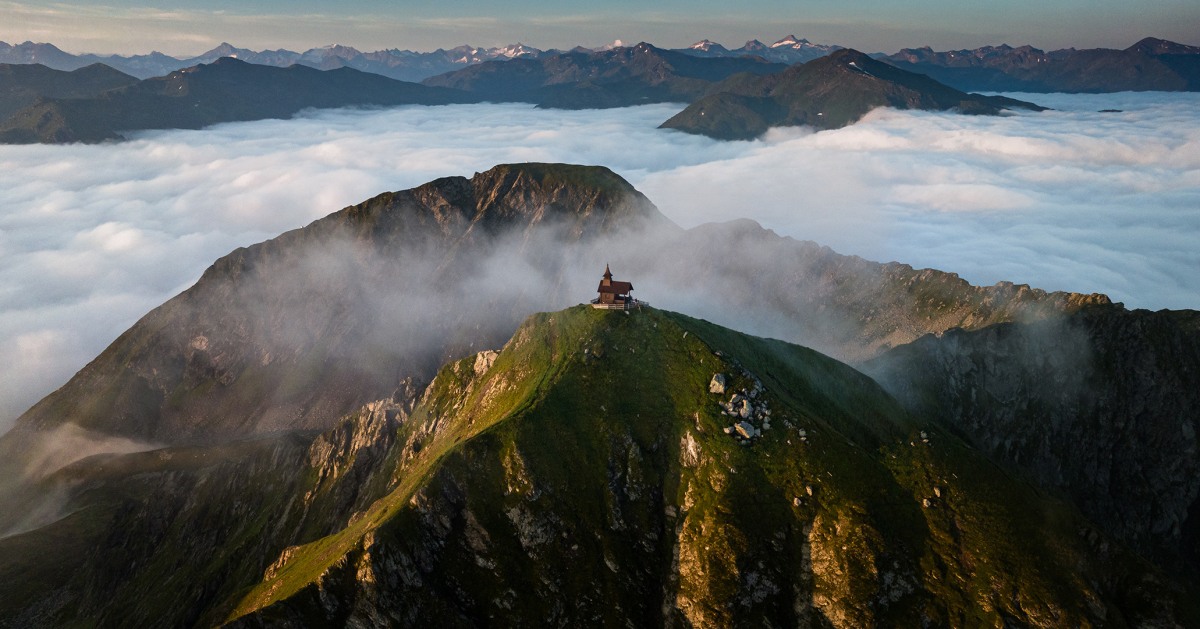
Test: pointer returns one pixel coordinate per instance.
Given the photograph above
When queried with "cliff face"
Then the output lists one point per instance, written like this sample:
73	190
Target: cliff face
1100	406
164	537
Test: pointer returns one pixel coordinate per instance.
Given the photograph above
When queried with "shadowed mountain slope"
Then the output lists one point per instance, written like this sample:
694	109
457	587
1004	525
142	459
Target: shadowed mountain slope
23	85
1100	406
226	90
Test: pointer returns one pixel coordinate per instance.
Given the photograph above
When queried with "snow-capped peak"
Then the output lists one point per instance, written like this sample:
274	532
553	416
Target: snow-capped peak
513	51
790	40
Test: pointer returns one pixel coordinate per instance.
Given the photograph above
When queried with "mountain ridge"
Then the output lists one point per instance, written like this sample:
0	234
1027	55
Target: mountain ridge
616	77
379	278
226	90
307	435
1149	64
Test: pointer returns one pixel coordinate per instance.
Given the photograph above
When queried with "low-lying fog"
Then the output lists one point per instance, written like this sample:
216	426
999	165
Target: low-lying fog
91	237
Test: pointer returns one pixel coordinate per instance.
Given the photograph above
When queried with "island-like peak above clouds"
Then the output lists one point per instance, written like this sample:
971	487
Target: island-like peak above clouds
827	93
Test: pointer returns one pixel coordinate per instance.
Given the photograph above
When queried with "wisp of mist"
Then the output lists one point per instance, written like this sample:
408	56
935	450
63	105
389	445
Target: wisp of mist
92	237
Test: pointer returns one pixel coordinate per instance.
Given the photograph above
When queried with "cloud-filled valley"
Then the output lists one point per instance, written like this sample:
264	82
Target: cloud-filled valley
92	237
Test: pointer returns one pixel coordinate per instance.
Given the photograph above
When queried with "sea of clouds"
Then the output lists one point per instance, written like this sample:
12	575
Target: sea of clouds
93	237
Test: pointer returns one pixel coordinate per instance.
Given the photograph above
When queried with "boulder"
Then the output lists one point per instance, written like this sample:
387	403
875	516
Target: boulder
717	385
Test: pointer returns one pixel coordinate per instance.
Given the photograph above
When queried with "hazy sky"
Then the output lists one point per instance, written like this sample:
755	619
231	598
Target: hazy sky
184	27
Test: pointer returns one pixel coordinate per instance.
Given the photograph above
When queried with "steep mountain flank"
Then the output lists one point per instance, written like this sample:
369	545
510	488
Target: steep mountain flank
164	537
602	468
590	476
620	77
226	90
827	93
1100	406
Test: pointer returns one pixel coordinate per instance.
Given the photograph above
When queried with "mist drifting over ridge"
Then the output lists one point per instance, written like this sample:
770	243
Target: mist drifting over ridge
93	237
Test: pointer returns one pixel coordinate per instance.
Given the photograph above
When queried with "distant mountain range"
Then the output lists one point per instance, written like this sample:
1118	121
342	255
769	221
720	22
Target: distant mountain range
617	77
403	65
789	50
733	94
1150	64
828	93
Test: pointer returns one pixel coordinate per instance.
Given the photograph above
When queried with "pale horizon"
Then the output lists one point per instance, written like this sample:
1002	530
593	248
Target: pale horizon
191	27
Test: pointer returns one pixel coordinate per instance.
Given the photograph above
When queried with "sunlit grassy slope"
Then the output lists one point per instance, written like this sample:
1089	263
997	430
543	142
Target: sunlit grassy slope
586	476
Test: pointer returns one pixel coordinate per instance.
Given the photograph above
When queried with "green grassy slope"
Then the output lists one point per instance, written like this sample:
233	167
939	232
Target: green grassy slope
587	477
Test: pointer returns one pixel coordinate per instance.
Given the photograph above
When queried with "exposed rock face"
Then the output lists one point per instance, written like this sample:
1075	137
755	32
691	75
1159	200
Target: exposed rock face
164	537
1102	406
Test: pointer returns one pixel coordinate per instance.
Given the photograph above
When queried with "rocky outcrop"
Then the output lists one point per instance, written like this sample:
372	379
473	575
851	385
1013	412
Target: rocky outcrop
198	523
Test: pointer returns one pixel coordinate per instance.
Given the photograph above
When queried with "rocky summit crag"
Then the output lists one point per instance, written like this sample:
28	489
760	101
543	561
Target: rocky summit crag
350	425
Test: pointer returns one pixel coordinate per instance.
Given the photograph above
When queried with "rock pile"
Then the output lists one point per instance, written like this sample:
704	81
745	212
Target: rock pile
748	406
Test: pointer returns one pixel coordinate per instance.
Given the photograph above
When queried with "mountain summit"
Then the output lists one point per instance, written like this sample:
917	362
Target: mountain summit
321	431
255	345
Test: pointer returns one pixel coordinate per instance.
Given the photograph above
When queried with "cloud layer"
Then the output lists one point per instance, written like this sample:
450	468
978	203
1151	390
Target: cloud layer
93	237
